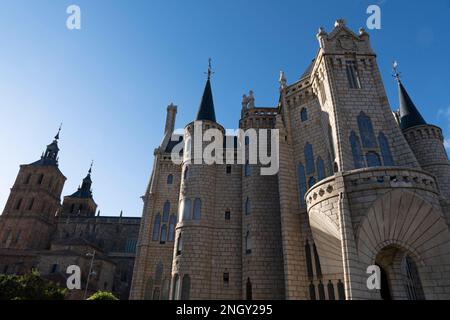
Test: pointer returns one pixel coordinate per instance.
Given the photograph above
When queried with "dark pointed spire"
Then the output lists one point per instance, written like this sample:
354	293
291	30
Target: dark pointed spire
206	109
50	156
85	190
408	113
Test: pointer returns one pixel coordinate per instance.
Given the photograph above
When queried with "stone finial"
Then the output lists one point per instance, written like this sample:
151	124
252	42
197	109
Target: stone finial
322	32
251	100
282	80
362	31
339	23
244	101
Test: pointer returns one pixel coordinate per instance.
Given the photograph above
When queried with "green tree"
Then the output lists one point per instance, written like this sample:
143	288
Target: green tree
102	295
29	287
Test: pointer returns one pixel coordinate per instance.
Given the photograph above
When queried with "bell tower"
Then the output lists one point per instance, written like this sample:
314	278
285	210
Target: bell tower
28	219
81	203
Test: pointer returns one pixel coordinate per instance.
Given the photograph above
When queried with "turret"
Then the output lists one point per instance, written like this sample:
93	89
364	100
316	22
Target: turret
426	140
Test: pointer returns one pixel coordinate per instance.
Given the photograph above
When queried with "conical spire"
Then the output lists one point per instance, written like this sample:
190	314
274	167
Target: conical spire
50	156
206	109
408	113
85	190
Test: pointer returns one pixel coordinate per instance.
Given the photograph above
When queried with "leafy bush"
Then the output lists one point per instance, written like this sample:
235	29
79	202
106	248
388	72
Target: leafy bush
29	287
102	295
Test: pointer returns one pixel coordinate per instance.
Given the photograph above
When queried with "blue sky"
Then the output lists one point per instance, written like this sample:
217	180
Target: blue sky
110	82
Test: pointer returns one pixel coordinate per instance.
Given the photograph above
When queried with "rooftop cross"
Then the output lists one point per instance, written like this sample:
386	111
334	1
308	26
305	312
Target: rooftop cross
396	73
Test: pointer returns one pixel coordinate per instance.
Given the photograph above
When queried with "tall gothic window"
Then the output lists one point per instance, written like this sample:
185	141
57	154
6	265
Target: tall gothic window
185	287
411	279
330	288
170	179
187	209
311	182
341	290
248	207
320	169
385	150
247	169
302	183
317	262
166	212
321	291
179	244
176	287
248	241
197	209
304	114
312	291
373	159
159	273
366	131
172	223
249	291
309	158
163	234
309	265
356	151
156	227
352	75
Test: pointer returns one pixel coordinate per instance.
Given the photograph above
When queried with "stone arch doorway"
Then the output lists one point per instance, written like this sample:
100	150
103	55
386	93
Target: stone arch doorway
410	240
400	278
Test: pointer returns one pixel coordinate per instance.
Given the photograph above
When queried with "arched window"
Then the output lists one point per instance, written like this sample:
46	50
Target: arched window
176	288
330	288
411	279
311	182
373	159
248	207
249	290
27	180
165	290
186	173
356	151
309	265
312	291
156	227
185	287
187	209
341	290
166	211
304	114
320	169
317	262
159	273
385	150
309	158
148	289
170	179
321	291
302	183
18	204
163	234
248	241
156	293
197	209
172	222
179	244
247	169
40	179
366	131
30	205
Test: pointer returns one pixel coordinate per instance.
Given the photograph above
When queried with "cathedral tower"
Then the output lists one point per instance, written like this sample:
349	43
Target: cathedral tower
28	219
81	203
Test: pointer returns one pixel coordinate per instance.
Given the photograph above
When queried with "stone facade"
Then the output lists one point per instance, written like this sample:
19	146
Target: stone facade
357	186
